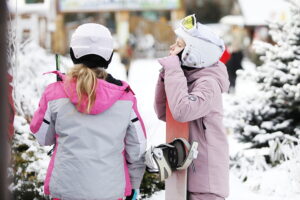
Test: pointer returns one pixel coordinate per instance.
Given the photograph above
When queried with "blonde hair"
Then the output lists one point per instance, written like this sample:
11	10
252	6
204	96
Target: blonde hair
86	83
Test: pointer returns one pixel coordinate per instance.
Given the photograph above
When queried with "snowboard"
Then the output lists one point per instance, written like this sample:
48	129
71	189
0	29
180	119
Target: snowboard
176	184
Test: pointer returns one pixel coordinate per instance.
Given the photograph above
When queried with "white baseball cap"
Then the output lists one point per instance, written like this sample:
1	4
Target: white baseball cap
94	39
203	47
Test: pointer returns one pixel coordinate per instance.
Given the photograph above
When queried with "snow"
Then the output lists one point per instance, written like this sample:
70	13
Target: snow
157	196
241	192
29	81
233	20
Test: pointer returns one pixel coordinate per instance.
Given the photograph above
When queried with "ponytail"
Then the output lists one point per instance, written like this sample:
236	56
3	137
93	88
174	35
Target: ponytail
86	83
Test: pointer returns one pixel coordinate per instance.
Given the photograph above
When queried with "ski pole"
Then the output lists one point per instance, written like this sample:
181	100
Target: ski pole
57	79
57	61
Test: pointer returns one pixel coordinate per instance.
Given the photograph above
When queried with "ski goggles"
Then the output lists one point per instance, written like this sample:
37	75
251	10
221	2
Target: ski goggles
189	24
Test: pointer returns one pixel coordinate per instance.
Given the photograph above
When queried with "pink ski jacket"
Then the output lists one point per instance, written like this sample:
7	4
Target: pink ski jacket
195	97
97	156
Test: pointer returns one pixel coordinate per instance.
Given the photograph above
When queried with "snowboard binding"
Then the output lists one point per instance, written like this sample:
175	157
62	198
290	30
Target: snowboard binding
165	158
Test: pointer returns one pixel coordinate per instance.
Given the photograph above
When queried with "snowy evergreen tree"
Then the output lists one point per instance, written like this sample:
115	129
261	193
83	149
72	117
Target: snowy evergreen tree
273	112
29	159
29	164
28	62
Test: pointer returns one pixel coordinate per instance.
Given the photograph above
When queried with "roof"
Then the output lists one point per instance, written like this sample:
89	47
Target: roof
260	12
21	7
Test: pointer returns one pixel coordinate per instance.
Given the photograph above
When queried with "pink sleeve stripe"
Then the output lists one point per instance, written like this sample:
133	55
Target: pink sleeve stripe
128	186
50	169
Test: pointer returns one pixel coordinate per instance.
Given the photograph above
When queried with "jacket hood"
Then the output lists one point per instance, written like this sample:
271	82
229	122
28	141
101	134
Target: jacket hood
218	71
106	94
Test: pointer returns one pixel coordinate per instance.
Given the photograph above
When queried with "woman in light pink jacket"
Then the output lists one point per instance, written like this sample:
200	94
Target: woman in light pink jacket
193	80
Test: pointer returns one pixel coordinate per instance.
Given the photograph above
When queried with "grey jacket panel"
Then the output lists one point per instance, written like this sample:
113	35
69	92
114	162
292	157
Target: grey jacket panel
89	163
135	147
46	134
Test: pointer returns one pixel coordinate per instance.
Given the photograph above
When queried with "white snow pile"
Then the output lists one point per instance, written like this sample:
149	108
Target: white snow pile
279	182
249	165
281	178
31	61
30	162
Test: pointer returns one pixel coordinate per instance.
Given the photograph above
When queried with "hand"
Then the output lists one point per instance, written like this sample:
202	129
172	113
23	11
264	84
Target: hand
134	194
169	61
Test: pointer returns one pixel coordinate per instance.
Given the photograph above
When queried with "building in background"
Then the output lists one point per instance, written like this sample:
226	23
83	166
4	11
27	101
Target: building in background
249	20
255	15
51	22
32	19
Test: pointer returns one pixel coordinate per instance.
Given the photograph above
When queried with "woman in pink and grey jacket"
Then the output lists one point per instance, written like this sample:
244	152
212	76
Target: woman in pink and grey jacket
192	81
94	123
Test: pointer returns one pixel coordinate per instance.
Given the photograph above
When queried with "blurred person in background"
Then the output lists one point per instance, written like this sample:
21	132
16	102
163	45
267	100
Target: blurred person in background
126	54
192	80
237	40
92	119
225	57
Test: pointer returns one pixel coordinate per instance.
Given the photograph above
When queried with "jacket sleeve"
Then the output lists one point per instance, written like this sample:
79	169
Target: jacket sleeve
186	105
160	98
135	145
42	124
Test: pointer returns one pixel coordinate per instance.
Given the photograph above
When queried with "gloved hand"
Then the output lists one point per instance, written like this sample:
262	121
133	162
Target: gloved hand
134	194
169	61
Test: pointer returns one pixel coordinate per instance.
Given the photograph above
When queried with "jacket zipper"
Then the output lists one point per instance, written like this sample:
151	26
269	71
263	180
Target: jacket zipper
203	128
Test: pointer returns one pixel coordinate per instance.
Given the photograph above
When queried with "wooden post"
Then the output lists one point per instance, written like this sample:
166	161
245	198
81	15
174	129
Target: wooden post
122	21
178	13
3	103
59	42
59	35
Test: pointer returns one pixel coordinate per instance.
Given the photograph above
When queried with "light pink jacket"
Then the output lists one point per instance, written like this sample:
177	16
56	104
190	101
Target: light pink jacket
195	96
